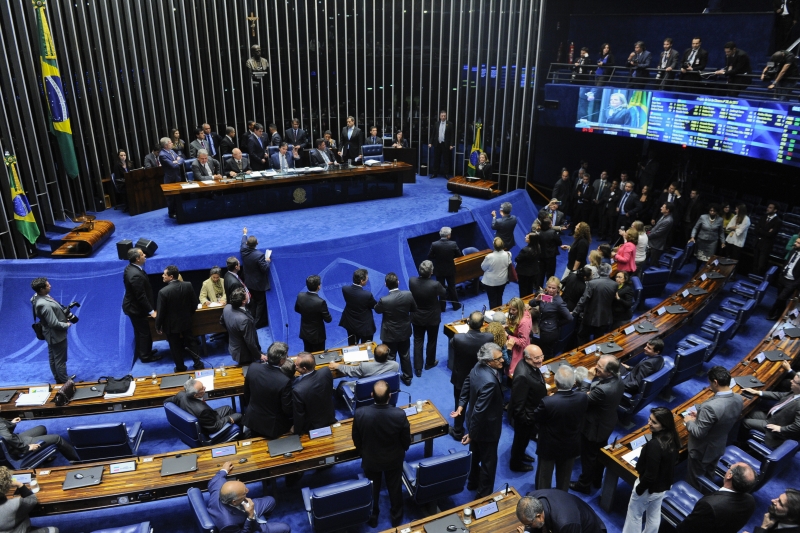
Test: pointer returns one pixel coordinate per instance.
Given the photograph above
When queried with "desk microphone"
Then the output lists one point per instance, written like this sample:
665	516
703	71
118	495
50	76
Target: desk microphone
287	332
405	392
337	343
455	302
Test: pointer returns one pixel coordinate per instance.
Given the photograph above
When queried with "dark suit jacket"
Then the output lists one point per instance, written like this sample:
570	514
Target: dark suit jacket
275	139
449	133
396	308
231	165
257	149
231	519
504	228
138	300
566	513
210	420
700	59
586	197
639	64
482	393
601	416
312	398
381	434
255	266
301	138
595	304
216	140
243	342
550	241
646	367
426	293
720	512
631	204
268	397
17	445
736	66
767	231
484	172
275	160
788	417
673	59
231	282
226	145
151	160
199	171
177	303
313	311
351	148
527	390
465	354
621	309
559	419
563	191
316	158
357	315
173	166
442	253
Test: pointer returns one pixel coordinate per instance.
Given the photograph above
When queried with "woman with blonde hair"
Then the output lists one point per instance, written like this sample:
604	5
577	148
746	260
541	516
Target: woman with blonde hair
500	338
737	232
518	328
553	314
641	246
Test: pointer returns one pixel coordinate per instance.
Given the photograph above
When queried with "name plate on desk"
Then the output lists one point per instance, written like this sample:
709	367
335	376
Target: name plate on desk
761	357
223	451
685	293
590	349
715	262
641	441
127	466
629	330
485	510
703	277
661	311
410	410
320	432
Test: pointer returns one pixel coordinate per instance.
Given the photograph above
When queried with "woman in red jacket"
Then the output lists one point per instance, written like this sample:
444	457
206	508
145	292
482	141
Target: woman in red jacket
626	254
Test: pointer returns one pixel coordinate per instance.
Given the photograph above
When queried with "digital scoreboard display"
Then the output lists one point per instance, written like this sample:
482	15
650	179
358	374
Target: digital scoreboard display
762	130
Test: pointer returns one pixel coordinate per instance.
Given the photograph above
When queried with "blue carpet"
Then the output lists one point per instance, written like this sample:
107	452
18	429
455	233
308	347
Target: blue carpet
303	242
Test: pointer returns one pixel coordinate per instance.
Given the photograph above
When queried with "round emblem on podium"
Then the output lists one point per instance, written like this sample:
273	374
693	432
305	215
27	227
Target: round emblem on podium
299	195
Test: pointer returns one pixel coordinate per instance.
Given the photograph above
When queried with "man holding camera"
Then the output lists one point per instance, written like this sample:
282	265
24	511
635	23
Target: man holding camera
54	327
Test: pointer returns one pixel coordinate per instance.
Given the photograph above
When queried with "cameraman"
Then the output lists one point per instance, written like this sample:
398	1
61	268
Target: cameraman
54	326
779	69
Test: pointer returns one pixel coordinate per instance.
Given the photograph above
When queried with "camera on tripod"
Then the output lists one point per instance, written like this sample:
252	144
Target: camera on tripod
70	315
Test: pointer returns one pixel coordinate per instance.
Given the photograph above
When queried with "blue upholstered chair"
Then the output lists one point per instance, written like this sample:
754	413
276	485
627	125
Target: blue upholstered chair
679	502
754	291
759	448
144	527
189	175
718	329
187	163
765	467
688	362
654	281
340	505
189	431
198	504
372	151
652	386
106	441
436	477
637	291
29	460
360	395
739	310
672	260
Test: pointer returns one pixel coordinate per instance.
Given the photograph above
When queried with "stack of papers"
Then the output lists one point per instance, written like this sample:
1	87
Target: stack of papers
190	185
461	328
632	457
129	392
356	357
36	398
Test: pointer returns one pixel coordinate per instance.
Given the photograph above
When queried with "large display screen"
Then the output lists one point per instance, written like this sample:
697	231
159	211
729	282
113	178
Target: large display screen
763	130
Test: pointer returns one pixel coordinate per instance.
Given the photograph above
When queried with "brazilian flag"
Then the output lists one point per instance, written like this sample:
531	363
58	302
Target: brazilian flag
51	80
477	148
26	223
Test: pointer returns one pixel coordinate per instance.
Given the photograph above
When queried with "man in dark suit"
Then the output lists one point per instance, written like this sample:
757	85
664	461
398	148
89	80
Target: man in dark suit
243	342
693	62
274	136
228	143
138	304
691	212
443	254
465	347
556	511
373	137
527	390
173	169
397	308
151	159
609	214
604	393
214	142
205	167
428	316
562	190
359	302
231	280
766	231
257	149
559	419
505	225
639	61
782	421
381	434
256	272
313	315
659	235
788	282
484	420
737	67
19	444
236	164
726	510
627	204
783	514
649	365
268	395
671	194
283	160
595	305
190	399
175	309
312	396
584	195
668	64
442	140
295	135
322	156
351	141
55	326
600	190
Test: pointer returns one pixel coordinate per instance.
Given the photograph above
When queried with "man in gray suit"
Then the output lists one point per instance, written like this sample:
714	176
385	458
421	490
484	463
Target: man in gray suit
54	327
782	421
709	427
658	238
595	304
397	308
381	365
205	168
604	393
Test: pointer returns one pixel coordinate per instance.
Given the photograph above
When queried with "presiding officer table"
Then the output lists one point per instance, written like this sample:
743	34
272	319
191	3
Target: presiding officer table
198	201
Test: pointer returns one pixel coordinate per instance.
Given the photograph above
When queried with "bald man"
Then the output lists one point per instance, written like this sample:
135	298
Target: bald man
231	510
236	164
527	391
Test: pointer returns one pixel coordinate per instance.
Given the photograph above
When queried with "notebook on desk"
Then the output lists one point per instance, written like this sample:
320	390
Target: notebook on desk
84	393
83	478
441	525
179	464
6	395
285	445
170	382
327	357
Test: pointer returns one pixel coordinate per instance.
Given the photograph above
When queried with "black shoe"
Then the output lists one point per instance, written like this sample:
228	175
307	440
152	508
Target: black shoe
373	521
198	365
521	467
456	307
418	373
180	369
528	459
151	358
472	486
172	216
432	365
152	353
455	434
406	381
577	487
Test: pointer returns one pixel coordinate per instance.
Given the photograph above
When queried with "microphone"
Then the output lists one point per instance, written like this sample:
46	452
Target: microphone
405	392
483	309
287	332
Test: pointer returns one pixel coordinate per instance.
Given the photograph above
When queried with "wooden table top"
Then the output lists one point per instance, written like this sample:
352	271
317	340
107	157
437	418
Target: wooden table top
146	482
171	189
503	521
147	395
768	372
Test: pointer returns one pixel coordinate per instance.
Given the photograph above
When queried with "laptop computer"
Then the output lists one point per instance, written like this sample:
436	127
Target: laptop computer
179	464
6	395
697	291
441	525
170	382
284	445
676	309
609	347
777	355
327	357
83	478
748	381
84	393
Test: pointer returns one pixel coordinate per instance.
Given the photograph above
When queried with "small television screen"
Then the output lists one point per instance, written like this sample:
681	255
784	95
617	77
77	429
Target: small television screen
613	111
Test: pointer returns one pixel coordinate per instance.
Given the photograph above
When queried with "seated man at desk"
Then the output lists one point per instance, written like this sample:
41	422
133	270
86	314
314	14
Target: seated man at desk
19	445
236	164
650	364
381	365
190	399
322	155
782	420
205	167
281	161
231	510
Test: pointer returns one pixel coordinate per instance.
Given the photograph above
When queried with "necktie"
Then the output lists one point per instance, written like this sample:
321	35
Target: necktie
211	142
691	57
669	198
239	162
780	405
622	204
349	133
203	144
295	136
787	270
325	157
158	161
600	189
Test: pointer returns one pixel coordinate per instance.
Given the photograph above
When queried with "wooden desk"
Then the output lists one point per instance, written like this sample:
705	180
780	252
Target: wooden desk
146	484
143	189
285	192
469	266
503	521
768	372
485	189
146	396
205	321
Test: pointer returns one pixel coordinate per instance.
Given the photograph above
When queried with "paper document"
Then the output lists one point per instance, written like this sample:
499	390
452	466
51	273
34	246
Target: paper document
210	182
356	357
461	328
127	393
190	185
632	457
206	377
37	398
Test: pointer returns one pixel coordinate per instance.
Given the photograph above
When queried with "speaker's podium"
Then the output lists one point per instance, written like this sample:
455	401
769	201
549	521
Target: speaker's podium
473	187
